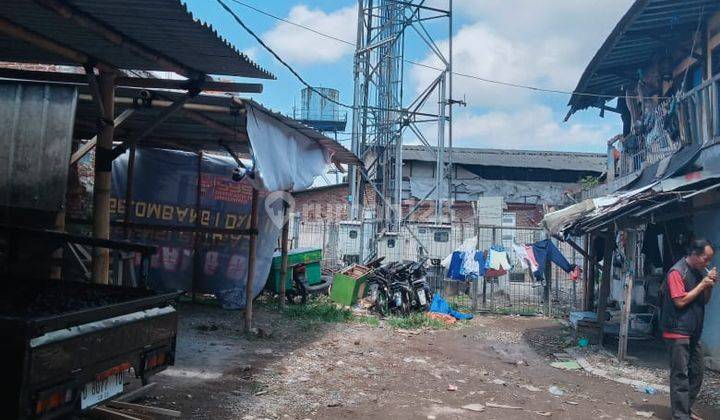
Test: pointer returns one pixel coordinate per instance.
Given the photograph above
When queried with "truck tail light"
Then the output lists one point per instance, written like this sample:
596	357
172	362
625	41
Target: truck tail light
155	359
51	400
113	371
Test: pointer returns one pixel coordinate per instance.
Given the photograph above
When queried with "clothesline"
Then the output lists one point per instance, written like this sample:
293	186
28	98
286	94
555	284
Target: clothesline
466	262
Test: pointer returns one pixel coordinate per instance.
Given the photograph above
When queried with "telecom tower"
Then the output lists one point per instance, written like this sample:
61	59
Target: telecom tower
381	116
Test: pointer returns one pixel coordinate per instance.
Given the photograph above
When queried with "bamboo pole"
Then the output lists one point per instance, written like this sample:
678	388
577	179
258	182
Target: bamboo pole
284	251
103	168
251	262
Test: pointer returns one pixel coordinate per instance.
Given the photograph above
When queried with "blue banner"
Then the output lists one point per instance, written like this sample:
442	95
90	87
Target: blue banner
165	191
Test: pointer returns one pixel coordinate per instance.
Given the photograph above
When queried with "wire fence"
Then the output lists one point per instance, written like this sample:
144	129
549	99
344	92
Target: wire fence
516	292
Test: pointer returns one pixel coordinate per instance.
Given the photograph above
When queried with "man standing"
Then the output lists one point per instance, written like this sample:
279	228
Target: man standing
688	288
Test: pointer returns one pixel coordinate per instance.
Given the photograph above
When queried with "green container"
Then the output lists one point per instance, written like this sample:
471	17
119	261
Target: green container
348	285
311	257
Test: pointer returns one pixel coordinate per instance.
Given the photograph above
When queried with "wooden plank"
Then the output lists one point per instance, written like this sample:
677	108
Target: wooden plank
144	409
110	414
284	255
628	277
136	394
251	262
605	284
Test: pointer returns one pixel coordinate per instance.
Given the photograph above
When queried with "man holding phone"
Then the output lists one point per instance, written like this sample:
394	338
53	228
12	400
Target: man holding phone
687	289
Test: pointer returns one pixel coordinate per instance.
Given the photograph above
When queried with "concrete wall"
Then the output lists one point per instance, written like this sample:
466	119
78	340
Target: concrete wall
707	225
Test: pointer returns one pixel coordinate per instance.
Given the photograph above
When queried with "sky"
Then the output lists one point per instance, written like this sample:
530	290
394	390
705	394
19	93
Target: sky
540	43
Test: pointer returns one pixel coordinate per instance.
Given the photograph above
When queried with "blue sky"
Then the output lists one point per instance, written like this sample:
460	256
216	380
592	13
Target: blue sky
540	43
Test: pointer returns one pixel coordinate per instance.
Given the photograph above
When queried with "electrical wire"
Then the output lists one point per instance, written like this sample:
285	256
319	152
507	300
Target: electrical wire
415	63
278	58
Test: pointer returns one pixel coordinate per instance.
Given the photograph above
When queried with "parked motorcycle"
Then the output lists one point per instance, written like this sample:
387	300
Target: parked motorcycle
422	294
399	288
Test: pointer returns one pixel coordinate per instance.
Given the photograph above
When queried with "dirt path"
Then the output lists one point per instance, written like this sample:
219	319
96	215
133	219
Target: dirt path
354	371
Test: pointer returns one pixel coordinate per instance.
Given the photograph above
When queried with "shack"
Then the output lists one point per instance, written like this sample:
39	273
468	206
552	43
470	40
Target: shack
661	65
96	92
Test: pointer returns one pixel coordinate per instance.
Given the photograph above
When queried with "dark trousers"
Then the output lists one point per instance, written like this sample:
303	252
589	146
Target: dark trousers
686	376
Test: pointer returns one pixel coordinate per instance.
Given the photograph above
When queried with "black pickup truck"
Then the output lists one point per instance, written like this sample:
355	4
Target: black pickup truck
70	345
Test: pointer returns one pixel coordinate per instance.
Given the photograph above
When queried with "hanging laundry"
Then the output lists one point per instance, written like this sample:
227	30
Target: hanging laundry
456	264
470	266
498	258
545	250
480	258
531	258
575	274
521	254
492	273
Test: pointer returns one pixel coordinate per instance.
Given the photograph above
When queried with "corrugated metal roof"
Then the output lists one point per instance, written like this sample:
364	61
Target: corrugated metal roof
163	26
594	162
648	27
179	131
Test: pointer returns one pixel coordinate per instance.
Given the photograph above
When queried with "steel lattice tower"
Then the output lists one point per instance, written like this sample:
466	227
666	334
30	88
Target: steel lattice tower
381	116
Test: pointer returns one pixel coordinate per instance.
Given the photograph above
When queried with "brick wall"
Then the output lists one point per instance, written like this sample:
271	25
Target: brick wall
331	204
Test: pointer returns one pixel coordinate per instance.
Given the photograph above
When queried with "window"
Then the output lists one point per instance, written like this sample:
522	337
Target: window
391	243
352	234
517	278
422	231
442	236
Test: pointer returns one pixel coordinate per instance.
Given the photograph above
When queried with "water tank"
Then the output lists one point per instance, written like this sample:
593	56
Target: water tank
321	113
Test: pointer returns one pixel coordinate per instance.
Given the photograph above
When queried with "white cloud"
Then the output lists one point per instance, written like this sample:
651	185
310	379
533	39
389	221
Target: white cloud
539	43
301	46
534	127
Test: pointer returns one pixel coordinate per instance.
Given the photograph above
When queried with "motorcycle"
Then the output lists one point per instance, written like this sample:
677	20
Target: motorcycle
422	295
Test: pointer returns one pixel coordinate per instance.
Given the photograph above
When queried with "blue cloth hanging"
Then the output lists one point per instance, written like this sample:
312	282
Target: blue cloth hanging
454	269
545	250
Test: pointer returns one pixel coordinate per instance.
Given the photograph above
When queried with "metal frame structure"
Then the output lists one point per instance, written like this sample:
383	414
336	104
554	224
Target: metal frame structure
381	114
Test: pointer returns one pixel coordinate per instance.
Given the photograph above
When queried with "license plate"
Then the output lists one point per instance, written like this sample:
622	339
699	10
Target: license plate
98	391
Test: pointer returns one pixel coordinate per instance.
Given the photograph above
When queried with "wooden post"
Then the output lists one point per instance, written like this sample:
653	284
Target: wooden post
629	273
197	238
548	286
587	275
251	261
103	168
605	281
284	256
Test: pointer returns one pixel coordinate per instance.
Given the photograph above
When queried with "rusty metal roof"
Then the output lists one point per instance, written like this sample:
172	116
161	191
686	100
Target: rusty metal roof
647	28
180	131
165	27
593	162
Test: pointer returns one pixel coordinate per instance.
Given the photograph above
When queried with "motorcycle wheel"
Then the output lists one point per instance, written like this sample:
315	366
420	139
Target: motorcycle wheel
382	303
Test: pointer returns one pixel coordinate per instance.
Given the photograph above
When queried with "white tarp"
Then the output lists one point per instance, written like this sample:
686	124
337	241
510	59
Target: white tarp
285	159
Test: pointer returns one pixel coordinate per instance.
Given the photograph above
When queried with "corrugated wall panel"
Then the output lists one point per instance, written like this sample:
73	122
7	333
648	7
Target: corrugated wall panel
36	122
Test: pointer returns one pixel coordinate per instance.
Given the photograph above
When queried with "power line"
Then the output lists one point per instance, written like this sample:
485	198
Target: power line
415	63
289	22
277	57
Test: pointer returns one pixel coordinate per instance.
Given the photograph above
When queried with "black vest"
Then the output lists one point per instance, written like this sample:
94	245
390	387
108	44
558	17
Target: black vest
689	320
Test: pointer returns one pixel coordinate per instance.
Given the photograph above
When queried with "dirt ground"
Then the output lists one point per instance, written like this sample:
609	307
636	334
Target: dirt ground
357	371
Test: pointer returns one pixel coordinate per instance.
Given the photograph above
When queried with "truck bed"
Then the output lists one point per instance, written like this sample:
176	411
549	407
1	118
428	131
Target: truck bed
67	333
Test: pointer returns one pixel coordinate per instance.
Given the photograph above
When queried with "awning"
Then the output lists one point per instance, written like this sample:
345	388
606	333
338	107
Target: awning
594	214
647	28
157	35
207	122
